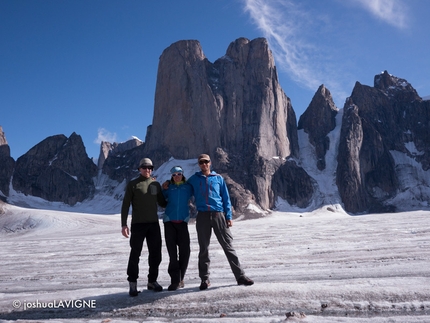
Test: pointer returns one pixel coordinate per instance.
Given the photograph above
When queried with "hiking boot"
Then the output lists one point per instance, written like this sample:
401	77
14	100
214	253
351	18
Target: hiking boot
173	286
181	284
133	289
156	287
205	284
243	280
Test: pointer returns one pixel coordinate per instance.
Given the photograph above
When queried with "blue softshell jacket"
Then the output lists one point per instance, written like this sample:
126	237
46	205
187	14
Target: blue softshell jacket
210	193
177	196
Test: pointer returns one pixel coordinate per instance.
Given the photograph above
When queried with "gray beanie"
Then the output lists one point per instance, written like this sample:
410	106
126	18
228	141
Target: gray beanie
145	162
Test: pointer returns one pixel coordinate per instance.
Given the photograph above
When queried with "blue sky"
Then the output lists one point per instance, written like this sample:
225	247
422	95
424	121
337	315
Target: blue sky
90	66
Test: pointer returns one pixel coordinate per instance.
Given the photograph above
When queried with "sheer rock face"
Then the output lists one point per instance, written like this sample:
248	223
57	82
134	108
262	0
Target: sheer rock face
105	148
235	103
114	149
124	166
57	169
293	184
3	140
7	164
376	123
233	109
318	121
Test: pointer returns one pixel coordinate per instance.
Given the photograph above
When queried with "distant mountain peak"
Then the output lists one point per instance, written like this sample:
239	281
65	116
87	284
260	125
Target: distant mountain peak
392	86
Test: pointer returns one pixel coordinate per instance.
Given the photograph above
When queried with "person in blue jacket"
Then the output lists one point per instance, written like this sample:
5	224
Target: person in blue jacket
176	232
214	212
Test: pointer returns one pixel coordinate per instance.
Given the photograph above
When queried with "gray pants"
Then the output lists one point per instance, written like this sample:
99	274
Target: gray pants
205	222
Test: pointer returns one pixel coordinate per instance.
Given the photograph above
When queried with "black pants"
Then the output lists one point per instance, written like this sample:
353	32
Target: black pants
205	222
152	233
178	246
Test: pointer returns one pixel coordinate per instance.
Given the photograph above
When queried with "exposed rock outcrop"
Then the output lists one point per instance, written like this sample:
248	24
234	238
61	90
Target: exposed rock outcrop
234	103
293	184
233	109
318	121
124	166
7	164
376	122
57	169
105	148
112	149
406	125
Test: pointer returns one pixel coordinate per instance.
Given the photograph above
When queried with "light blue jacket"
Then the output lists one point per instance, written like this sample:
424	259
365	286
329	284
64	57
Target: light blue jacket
177	196
210	193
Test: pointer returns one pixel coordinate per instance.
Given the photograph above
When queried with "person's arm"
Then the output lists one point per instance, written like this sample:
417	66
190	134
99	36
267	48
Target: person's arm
124	211
165	185
160	196
125	231
165	192
226	201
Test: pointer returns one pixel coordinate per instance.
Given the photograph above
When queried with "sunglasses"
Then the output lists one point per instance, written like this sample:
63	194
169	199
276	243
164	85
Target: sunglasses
177	174
147	167
204	162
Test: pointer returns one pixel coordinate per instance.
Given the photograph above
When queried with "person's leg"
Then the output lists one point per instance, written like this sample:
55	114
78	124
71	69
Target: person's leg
204	231
171	237
136	242
153	241
225	238
184	247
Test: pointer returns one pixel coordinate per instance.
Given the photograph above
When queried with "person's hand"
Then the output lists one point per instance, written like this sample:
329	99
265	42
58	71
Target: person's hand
165	185
125	231
229	223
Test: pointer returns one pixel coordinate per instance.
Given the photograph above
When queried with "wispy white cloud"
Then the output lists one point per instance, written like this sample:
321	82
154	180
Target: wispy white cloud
289	29
104	135
393	12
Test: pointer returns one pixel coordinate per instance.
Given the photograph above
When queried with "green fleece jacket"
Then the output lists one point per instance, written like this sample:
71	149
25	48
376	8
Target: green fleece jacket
143	194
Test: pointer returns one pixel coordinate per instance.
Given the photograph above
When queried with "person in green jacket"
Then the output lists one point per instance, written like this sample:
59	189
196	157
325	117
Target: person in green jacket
144	195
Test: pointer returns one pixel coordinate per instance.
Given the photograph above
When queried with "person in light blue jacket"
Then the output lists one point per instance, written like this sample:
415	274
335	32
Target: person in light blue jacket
214	213
176	232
